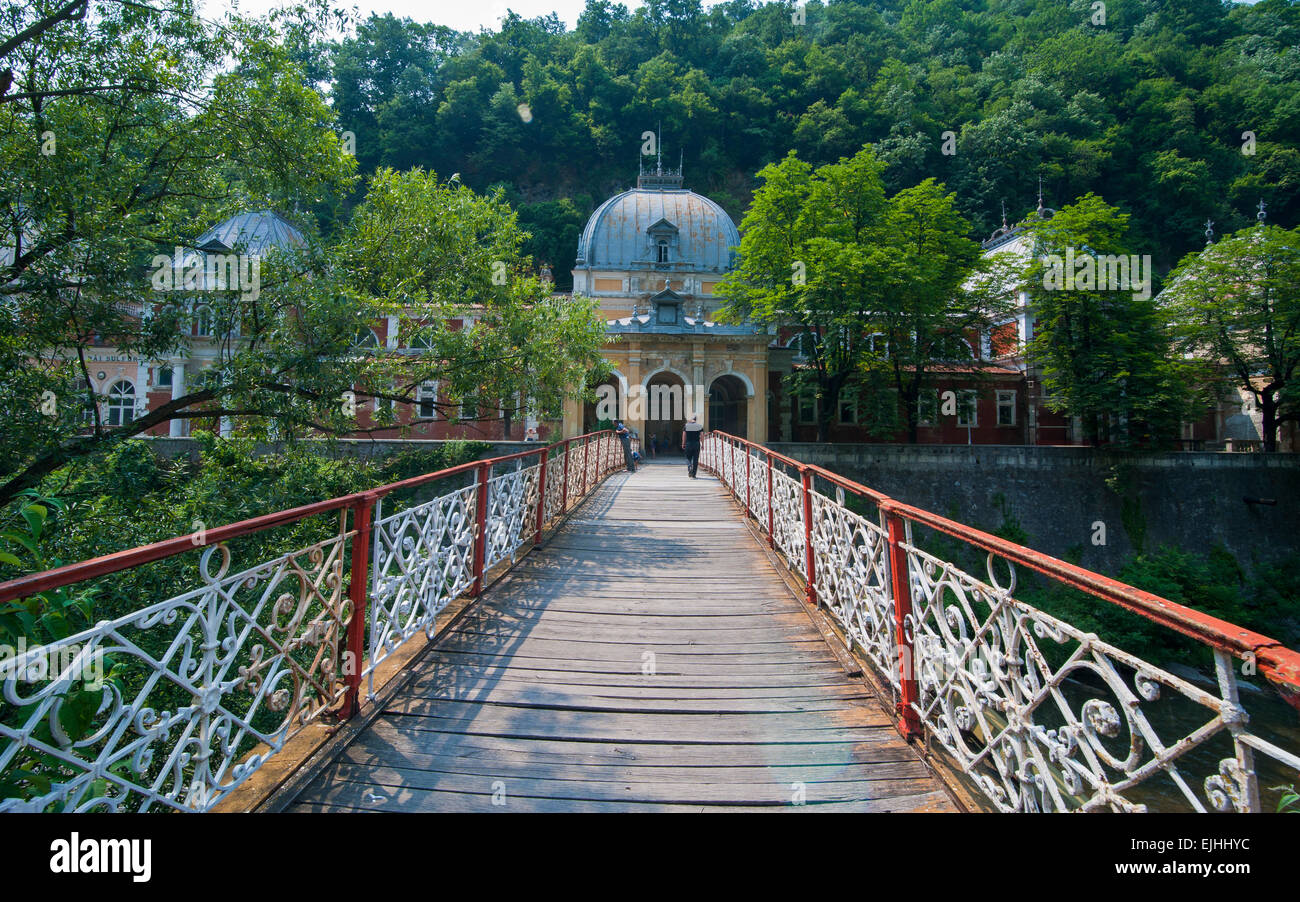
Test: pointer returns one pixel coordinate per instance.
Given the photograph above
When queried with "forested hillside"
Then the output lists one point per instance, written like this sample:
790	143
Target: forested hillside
1144	102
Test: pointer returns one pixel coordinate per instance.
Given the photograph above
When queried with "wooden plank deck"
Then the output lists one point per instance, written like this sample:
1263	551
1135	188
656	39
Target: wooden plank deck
648	658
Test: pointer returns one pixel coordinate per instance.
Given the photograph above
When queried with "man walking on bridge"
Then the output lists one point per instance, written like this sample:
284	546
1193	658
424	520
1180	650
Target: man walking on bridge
691	445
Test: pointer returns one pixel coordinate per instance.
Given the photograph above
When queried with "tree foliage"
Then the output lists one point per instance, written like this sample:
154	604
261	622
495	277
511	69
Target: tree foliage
1237	302
1147	108
205	119
1102	347
876	284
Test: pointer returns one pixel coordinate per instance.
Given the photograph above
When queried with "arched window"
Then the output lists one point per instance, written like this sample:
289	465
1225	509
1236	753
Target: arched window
203	321
121	403
366	339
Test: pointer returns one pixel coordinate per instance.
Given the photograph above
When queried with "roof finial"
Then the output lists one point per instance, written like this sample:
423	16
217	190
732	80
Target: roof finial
1004	212
659	143
1041	208
1209	231
1261	214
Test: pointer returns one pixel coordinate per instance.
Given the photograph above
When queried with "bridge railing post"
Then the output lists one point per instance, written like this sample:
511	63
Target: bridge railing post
731	468
810	563
564	478
583	494
901	582
748	499
771	539
484	472
543	462
354	654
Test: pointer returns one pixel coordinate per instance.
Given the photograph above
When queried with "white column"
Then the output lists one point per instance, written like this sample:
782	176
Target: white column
178	427
141	387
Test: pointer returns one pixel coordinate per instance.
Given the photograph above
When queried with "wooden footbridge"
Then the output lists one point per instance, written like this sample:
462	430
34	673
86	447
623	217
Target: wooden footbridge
648	658
548	632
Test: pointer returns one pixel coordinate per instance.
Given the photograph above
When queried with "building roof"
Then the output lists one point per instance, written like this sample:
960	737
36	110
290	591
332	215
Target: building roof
647	322
618	234
668	316
254	232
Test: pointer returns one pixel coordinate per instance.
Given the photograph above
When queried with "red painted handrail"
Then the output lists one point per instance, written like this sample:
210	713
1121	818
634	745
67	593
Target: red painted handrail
1279	664
33	583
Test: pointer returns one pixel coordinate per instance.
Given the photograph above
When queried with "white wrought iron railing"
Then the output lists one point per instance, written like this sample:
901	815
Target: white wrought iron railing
1024	710
173	706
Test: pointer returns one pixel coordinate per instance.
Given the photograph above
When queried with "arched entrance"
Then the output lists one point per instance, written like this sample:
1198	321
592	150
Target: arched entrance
729	406
665	411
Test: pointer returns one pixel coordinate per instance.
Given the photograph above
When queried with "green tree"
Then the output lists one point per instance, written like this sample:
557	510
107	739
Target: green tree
935	295
132	124
1237	303
874	284
190	142
1104	352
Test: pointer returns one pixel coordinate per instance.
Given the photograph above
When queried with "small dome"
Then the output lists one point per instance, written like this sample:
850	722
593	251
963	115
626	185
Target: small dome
253	233
625	232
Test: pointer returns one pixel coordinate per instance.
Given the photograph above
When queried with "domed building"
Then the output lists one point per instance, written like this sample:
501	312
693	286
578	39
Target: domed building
652	258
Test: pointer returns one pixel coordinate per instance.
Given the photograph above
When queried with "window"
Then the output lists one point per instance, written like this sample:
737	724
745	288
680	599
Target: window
662	247
421	340
927	408
807	409
164	377
1006	408
366	338
428	401
967	411
121	403
848	406
88	404
668	314
203	321
469	408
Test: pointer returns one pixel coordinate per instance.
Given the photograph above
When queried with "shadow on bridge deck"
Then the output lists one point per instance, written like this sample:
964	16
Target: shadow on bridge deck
648	658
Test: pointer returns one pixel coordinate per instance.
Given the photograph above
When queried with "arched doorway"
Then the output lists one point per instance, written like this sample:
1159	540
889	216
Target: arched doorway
665	411
729	406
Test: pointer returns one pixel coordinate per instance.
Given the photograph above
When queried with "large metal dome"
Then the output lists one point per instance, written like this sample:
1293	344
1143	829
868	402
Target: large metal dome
624	231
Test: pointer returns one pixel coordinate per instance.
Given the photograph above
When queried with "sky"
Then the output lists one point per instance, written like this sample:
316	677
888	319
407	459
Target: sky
463	15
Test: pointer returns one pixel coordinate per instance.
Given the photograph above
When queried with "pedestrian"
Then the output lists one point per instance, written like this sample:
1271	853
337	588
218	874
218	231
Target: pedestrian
654	446
691	445
626	438
531	434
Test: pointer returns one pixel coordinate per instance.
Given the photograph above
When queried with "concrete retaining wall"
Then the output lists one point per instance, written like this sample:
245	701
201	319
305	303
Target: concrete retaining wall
1189	500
